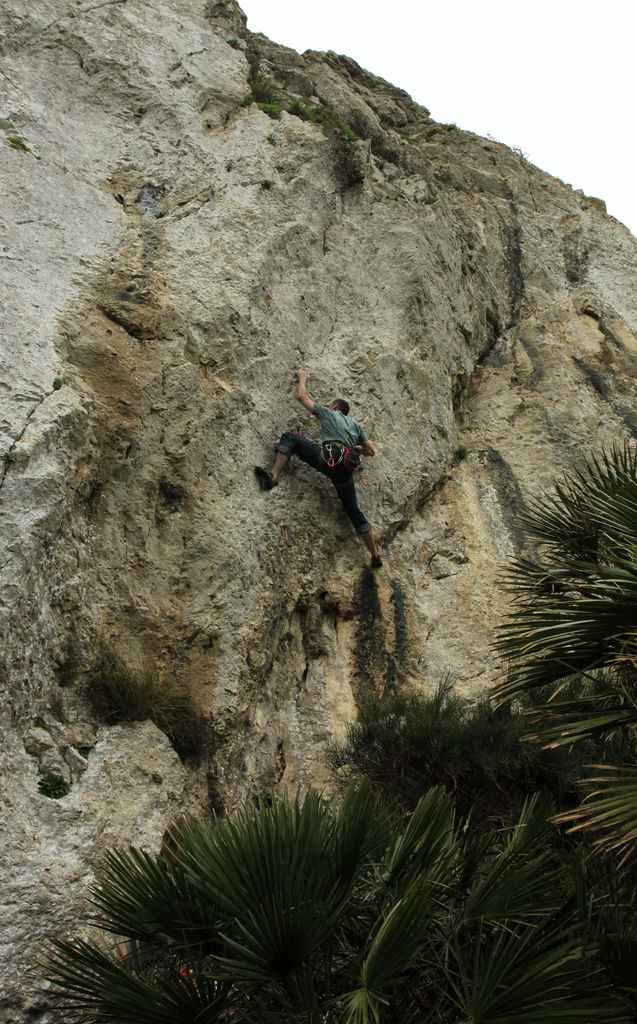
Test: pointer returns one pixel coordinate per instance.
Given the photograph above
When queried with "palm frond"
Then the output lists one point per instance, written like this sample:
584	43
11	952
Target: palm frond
609	811
390	953
104	988
576	606
268	872
516	882
360	830
152	900
527	974
426	846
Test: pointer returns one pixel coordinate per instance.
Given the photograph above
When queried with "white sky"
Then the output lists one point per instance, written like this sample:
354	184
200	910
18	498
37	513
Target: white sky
556	78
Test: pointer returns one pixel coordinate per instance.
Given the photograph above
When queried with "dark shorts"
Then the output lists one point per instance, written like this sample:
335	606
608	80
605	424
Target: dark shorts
343	479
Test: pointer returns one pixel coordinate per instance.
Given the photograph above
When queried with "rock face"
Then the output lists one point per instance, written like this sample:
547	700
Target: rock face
169	257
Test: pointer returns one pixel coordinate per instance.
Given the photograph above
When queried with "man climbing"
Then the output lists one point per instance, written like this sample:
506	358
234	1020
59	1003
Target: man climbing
341	435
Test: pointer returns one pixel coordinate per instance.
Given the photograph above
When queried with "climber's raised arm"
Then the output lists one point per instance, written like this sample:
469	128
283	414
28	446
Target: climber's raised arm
301	391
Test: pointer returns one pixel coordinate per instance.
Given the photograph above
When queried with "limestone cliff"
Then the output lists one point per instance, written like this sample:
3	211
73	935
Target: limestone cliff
170	254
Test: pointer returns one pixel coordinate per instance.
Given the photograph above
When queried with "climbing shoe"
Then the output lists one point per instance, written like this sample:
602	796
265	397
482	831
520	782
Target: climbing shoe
266	483
377	562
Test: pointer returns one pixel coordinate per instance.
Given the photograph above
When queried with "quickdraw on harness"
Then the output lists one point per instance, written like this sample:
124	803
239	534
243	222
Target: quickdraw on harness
334	454
345	455
331	461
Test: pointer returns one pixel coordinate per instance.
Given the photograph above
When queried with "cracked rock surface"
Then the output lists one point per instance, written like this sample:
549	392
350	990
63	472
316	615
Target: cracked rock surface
169	256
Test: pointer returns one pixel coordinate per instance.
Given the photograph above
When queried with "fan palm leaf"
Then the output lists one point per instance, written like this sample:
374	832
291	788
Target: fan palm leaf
153	901
525	974
273	875
390	952
100	985
576	614
609	810
576	608
517	881
426	846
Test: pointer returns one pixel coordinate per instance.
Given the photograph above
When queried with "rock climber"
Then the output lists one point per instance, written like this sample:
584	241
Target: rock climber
339	433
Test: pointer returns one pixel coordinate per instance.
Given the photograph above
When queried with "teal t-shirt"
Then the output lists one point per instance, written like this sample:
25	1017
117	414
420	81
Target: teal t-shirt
336	426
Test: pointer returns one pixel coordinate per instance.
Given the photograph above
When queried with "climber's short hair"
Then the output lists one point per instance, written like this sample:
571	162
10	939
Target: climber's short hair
341	405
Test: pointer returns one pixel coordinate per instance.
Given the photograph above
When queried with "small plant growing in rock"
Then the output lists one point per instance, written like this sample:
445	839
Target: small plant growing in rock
271	139
347	132
347	161
53	786
17	143
462	452
400	192
299	109
266	95
273	110
263	90
57	383
317	114
8	457
234	43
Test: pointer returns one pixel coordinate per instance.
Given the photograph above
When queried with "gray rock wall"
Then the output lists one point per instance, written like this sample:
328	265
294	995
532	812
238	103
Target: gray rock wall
169	257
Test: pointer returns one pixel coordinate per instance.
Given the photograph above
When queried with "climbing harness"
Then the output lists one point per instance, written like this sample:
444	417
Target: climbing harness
260	680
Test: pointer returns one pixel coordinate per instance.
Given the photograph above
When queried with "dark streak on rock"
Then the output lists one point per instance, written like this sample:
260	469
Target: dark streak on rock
508	490
513	250
610	335
280	762
400	622
400	635
596	378
370	655
119	317
600	384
